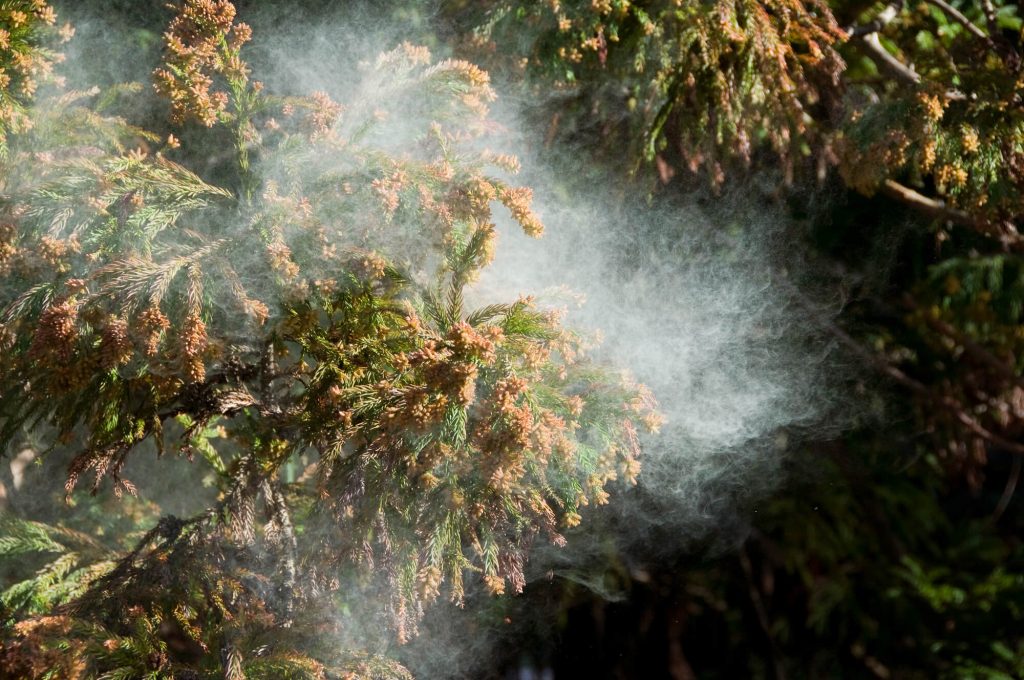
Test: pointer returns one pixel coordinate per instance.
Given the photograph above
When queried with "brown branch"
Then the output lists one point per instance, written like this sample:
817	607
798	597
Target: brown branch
948	403
679	667
980	353
279	510
929	206
890	12
990	17
1008	490
945	401
957	16
761	612
888	61
869	39
1006	234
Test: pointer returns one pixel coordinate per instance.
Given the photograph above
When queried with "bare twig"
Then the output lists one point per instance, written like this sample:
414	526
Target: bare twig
888	61
948	403
762	613
929	206
679	667
958	16
868	36
279	509
1004	369
990	17
1008	490
890	12
1005	232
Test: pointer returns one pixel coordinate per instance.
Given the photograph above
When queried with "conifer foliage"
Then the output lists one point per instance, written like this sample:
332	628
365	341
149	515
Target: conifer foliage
301	328
919	103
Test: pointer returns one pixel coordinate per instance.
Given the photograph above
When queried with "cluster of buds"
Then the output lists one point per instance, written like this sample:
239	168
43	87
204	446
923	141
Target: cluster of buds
280	257
56	332
495	584
257	310
949	177
55	253
115	344
323	114
23	62
193	343
428	581
933	106
404	56
388	190
8	247
518	201
506	427
371	265
468	342
201	42
864	169
152	324
477	83
417	409
506	162
472	200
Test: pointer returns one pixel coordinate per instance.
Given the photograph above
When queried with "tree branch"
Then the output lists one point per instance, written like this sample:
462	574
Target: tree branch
884	17
929	206
1008	490
957	16
971	347
948	403
990	17
888	61
944	401
1005	233
761	611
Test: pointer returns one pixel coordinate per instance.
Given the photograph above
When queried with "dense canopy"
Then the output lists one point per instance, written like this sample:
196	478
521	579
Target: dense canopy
270	407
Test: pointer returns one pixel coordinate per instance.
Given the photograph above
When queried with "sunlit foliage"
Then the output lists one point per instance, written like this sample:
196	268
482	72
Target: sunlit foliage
376	442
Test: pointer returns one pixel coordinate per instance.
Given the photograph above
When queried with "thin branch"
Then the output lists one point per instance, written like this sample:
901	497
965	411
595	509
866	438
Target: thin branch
1008	490
929	206
948	403
1004	369
1005	233
957	16
887	60
761	612
884	17
279	509
945	401
990	17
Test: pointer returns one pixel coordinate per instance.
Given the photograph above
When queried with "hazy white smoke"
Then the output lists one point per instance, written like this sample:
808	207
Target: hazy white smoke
692	299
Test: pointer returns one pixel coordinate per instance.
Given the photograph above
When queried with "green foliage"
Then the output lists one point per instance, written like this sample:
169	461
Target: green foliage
26	61
713	79
280	296
313	314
